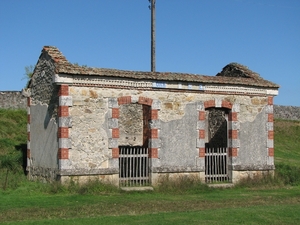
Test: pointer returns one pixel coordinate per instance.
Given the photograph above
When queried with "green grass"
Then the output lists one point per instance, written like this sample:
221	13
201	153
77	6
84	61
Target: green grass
262	201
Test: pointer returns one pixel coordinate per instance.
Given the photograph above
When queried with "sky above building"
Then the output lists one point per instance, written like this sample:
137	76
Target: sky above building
192	36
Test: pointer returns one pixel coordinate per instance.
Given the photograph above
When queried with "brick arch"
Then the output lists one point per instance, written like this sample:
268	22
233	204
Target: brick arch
154	130
216	103
141	100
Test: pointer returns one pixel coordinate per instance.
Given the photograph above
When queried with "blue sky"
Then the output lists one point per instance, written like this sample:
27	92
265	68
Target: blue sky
193	36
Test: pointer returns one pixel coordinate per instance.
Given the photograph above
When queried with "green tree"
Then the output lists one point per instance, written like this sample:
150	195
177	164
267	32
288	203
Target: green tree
28	73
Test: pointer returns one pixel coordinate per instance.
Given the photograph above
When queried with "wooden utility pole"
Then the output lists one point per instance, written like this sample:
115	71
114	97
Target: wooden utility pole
152	7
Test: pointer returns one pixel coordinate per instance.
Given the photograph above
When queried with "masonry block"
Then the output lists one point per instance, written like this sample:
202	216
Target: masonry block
113	123
64	143
200	143
270	117
209	104
233	134
154	133
63	153
201	124
235	107
232	116
65	121
201	115
115	133
201	152
270	134
269	109
270	100
113	103
270	143
113	143
28	118
200	106
156	104
28	136
145	101
65	100
63	132
115	153
155	124
115	113
28	101
226	104
270	126
28	153
153	152
202	134
124	100
218	102
63	90
232	152
154	114
63	111
270	151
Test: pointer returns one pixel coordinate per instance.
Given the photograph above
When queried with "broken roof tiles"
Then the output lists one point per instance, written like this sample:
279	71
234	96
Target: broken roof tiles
232	73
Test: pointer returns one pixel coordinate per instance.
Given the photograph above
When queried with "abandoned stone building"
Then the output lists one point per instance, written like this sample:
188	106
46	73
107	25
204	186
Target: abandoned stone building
134	128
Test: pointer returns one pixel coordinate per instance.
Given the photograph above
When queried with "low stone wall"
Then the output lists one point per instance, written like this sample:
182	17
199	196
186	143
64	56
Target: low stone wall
12	100
286	112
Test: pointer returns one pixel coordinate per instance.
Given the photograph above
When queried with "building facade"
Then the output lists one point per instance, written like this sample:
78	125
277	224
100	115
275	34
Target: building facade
134	128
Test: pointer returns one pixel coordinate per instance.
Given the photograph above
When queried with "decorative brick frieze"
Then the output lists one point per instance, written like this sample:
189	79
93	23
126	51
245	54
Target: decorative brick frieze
209	104
115	153
63	153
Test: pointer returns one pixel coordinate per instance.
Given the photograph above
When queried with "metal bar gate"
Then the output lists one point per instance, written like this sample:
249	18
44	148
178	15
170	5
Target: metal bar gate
216	169
133	166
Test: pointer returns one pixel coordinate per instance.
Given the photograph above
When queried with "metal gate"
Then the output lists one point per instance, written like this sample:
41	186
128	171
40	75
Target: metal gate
133	166
216	165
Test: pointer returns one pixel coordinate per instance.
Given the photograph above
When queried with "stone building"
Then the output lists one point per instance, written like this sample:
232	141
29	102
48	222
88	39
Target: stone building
134	128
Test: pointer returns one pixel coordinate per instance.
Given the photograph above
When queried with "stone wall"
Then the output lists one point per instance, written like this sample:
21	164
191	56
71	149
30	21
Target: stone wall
15	100
287	112
12	100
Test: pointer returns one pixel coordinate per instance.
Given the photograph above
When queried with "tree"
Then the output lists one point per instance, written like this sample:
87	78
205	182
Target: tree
28	73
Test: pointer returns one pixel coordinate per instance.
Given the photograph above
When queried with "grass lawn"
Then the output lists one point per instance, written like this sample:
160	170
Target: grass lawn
265	205
272	201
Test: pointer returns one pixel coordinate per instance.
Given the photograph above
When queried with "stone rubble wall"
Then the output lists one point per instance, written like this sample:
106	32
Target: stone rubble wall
15	100
287	112
12	100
